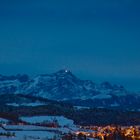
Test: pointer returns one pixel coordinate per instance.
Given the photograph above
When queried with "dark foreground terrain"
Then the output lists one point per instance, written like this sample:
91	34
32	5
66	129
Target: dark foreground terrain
83	116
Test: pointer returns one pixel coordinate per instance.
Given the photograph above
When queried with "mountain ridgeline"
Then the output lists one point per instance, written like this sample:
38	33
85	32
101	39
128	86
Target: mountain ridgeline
66	87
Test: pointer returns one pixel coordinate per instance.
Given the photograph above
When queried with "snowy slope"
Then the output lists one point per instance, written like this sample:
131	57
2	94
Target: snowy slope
62	121
28	132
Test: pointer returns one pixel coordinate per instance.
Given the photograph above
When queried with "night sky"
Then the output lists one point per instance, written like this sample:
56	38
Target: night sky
95	39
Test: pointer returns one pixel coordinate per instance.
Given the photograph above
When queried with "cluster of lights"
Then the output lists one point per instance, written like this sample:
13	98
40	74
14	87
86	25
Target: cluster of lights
128	133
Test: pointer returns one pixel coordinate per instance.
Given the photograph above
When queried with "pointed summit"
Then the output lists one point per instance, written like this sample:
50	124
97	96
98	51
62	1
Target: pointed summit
63	72
66	70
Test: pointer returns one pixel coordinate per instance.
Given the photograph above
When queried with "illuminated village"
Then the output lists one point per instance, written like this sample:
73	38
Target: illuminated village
111	132
55	131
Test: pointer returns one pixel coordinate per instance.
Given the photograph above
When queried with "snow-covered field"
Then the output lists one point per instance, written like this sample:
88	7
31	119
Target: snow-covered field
30	135
33	132
62	121
25	127
26	104
2	130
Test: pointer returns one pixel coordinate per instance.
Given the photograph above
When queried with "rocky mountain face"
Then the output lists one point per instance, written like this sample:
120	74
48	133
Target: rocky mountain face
64	86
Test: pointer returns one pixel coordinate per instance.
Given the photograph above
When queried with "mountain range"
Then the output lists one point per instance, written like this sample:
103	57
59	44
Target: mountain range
64	86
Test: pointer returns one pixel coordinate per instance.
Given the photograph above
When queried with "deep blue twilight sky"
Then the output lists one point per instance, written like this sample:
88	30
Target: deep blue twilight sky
96	39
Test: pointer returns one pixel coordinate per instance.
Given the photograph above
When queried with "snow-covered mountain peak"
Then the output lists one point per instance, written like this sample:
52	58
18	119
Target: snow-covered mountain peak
64	73
61	85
